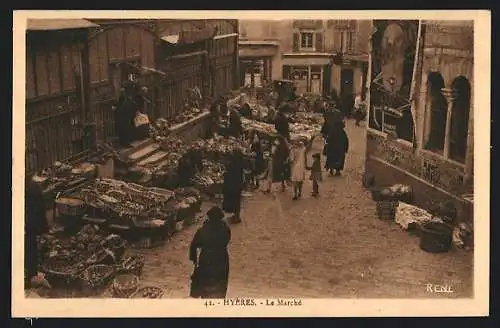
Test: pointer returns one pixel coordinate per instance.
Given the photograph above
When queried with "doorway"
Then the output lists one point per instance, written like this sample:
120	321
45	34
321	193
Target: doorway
346	81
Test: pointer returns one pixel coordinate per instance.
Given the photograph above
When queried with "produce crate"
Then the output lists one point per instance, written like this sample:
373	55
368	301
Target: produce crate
386	210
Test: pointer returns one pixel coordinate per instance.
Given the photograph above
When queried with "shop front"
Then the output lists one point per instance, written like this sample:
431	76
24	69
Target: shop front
310	74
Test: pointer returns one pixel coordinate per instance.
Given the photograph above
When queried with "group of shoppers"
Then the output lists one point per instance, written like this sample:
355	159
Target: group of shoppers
288	163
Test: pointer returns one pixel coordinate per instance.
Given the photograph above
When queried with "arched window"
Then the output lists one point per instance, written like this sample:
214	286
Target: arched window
436	109
459	118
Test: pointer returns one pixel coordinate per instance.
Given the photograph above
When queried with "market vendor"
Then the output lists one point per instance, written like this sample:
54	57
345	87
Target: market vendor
281	124
233	186
35	225
126	113
235	127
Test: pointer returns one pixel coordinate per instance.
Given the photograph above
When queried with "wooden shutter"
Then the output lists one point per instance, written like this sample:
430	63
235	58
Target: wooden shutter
295	42
319	41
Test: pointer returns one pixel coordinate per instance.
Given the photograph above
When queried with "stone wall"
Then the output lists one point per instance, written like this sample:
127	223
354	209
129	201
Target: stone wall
425	165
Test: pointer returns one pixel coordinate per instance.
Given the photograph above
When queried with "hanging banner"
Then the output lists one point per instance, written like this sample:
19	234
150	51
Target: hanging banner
393	56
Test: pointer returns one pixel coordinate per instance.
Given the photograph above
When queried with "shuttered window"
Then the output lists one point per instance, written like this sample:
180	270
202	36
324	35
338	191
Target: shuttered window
318	42
287	70
295	40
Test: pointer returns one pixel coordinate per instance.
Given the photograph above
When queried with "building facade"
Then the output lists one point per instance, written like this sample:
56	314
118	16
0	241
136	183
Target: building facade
420	129
76	68
320	55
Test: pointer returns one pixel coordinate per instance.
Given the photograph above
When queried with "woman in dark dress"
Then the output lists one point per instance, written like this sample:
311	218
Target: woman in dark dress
233	186
235	127
35	225
281	124
211	268
336	148
280	162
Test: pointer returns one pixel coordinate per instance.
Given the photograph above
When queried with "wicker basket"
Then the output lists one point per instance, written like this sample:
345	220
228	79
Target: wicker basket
70	206
386	210
92	285
132	264
59	273
124	285
435	237
148	292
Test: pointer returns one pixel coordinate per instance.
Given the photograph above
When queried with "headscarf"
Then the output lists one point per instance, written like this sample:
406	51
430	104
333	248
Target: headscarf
215	214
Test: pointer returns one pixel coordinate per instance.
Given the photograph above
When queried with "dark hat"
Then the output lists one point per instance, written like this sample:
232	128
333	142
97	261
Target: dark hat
215	214
316	155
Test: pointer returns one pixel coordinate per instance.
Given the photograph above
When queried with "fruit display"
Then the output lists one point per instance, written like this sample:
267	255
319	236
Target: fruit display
125	200
304	132
219	147
263	129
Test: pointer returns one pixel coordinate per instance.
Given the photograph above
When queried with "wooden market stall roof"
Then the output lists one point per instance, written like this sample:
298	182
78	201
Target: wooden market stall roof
58	24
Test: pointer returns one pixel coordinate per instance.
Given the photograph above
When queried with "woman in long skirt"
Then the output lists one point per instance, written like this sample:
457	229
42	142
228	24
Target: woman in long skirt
233	186
280	162
336	149
211	268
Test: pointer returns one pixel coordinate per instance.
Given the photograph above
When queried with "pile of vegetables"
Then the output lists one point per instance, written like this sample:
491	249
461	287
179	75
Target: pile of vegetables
213	174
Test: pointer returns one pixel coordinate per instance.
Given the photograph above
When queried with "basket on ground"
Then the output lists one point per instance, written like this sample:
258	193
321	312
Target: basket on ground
386	210
131	264
435	237
96	277
124	285
59	273
148	292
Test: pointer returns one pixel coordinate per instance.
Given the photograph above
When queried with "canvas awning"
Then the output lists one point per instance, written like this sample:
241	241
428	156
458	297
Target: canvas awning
58	24
190	37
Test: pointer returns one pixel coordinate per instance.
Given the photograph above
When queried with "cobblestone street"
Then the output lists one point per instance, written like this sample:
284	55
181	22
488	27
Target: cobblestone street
331	246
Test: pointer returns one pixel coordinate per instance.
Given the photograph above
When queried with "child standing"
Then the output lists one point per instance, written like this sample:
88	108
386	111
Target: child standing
298	159
316	175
